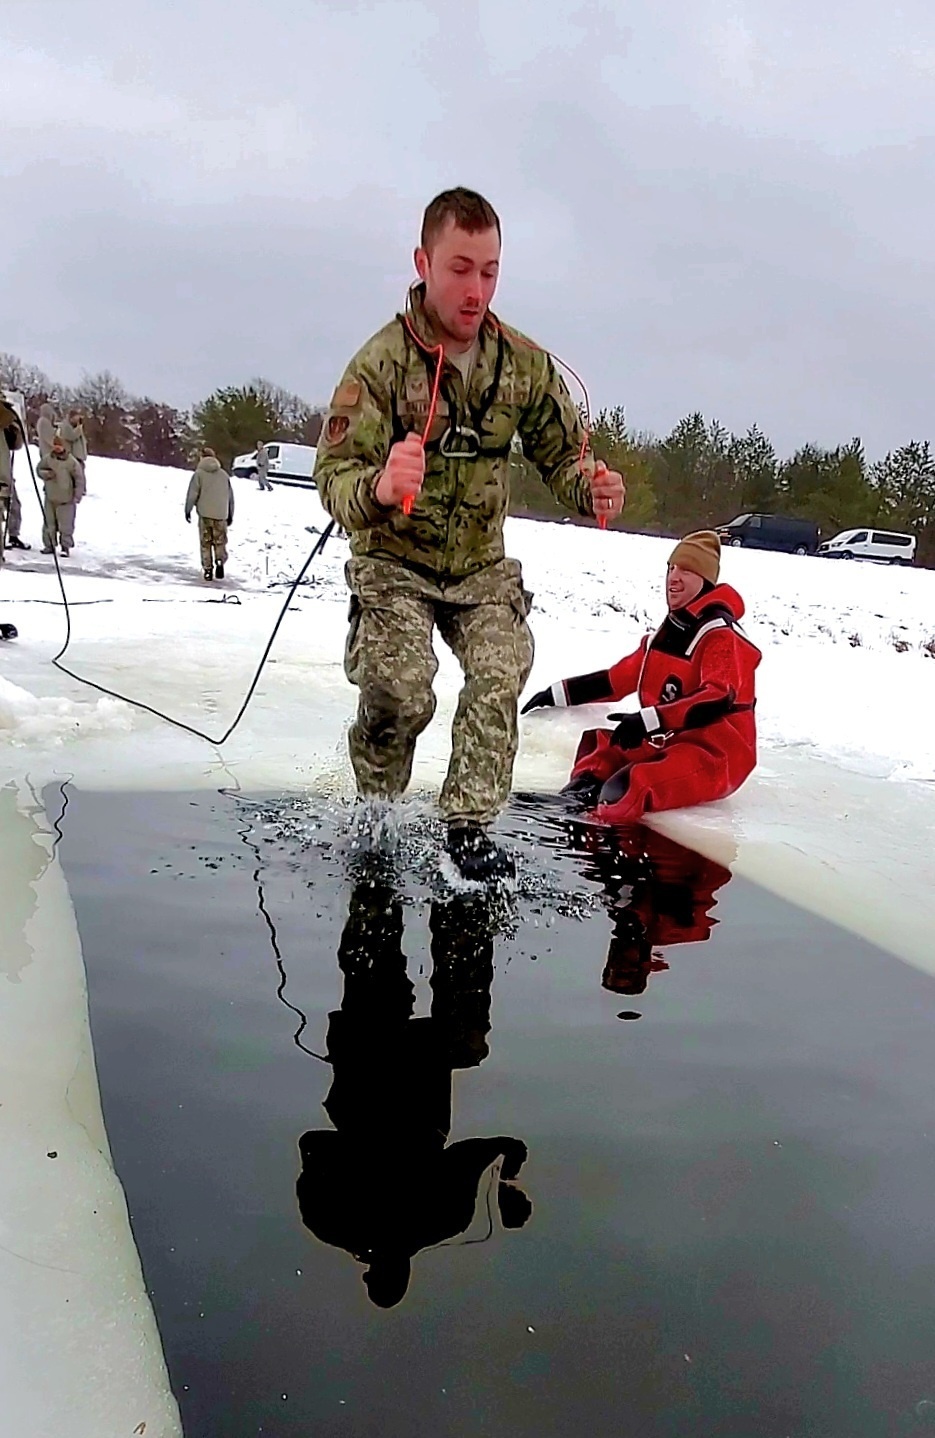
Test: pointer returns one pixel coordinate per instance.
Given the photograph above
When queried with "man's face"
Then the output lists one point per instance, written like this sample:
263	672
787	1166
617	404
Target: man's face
682	586
460	273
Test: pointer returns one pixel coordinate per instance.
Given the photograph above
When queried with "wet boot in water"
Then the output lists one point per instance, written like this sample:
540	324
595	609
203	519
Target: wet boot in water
476	856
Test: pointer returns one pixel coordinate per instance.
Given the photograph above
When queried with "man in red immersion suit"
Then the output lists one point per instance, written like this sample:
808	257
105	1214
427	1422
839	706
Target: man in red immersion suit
693	738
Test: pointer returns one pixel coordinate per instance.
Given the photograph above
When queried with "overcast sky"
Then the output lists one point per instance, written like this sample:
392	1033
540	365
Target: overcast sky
706	205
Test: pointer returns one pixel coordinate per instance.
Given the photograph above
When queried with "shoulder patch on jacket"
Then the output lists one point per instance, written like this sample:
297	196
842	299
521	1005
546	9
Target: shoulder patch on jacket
336	428
347	393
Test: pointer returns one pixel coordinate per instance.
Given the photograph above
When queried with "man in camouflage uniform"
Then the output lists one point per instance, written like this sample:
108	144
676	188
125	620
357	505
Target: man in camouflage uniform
211	493
443	563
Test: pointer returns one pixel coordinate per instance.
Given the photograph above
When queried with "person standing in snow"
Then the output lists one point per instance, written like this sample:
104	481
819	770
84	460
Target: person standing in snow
11	438
45	429
262	465
693	739
71	430
11	515
426	522
210	492
63	478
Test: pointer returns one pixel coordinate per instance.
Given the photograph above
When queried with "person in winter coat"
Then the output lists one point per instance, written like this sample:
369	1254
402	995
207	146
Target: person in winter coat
262	465
45	429
63	478
693	739
71	430
210	492
11	439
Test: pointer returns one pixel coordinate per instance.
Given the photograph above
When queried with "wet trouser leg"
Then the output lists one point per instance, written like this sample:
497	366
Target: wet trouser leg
494	647
389	656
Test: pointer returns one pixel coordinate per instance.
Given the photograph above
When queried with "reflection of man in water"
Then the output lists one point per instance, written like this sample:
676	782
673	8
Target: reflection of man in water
659	893
384	1185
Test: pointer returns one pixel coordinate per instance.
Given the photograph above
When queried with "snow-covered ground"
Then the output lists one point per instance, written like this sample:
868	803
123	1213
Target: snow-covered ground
846	687
840	815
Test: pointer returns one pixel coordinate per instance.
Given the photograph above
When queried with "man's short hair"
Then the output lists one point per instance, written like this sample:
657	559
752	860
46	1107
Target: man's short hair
469	210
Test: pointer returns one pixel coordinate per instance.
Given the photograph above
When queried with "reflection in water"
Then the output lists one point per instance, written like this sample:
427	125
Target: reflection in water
382	1184
658	893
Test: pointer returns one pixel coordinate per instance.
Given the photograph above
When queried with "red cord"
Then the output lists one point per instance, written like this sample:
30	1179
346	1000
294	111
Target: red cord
586	441
439	352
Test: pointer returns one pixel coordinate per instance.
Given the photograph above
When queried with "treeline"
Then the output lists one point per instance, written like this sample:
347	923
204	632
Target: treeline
120	425
702	475
699	475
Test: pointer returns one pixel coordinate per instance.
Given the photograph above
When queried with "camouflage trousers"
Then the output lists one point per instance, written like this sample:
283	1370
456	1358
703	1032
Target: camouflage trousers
59	526
213	536
389	657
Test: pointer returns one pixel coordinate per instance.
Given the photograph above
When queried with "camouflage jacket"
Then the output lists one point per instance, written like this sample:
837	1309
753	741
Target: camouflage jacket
456	526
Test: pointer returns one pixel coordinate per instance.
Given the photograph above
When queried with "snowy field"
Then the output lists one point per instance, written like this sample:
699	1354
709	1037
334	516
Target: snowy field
840	816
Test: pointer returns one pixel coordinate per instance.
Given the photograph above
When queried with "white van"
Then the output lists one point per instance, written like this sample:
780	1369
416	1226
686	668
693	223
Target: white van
288	463
880	544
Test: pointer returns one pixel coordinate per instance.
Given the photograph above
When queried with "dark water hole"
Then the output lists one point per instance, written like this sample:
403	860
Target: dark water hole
497	1209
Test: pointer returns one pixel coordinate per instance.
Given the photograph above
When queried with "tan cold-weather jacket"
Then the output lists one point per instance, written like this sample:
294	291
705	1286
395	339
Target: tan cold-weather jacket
210	491
63	479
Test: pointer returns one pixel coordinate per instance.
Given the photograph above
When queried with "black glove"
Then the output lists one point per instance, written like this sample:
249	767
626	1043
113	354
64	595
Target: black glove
630	731
542	700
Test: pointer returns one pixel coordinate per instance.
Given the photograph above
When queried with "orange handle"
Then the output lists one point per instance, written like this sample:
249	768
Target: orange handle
602	521
408	501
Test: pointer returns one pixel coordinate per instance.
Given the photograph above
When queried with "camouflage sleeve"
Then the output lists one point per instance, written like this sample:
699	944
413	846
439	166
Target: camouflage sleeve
77	474
552	435
355	441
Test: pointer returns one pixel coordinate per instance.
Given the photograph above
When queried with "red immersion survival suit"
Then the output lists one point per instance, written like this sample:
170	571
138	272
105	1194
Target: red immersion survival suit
695	682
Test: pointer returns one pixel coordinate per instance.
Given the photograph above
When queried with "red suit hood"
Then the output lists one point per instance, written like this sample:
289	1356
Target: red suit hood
720	594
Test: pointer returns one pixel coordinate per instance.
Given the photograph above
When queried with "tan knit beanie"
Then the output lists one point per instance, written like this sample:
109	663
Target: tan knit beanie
700	553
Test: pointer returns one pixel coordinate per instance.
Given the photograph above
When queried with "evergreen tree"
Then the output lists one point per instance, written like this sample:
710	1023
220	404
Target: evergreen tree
755	467
232	420
904	481
612	442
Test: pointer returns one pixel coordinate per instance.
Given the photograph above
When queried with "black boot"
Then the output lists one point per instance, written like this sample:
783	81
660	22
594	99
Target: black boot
219	571
8	631
17	543
209	574
476	856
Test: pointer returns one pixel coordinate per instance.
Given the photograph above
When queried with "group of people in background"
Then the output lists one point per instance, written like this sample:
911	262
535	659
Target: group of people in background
63	453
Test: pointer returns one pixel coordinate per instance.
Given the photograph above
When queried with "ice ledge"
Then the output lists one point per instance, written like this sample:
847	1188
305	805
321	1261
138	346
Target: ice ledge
79	1349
